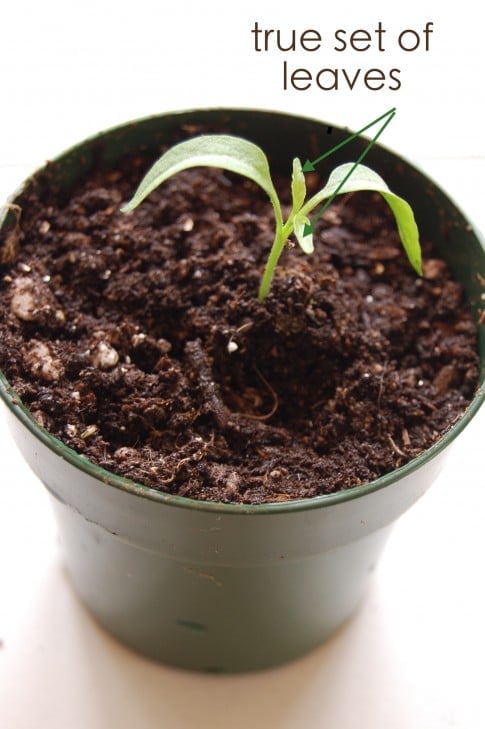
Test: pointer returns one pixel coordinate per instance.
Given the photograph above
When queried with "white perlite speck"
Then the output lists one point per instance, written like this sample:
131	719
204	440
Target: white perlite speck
32	300
104	356
42	363
23	303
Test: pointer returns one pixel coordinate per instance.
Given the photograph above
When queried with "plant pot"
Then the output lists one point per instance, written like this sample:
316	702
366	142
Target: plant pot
219	587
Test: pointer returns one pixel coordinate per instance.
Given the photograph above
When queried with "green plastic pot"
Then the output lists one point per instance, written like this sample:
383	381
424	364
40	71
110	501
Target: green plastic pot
218	587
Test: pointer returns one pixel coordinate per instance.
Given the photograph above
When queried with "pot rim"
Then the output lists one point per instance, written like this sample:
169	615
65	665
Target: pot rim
18	409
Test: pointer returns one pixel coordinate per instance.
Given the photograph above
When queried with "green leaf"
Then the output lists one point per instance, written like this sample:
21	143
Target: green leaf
300	229
345	179
296	222
211	150
298	186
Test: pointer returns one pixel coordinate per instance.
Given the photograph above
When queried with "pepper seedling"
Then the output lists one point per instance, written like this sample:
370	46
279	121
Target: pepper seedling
246	158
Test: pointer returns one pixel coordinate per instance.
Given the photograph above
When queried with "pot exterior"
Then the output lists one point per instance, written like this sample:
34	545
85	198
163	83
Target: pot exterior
213	590
215	617
225	588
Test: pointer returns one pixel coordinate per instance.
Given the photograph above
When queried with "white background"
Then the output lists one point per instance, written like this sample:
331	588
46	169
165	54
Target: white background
414	656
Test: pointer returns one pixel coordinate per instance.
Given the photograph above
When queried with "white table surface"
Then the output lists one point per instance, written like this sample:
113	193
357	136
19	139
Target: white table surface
414	655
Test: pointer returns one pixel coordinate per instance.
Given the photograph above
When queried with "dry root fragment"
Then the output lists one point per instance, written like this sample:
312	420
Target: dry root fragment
209	390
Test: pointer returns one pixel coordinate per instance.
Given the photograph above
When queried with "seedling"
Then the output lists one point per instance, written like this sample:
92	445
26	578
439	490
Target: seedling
245	158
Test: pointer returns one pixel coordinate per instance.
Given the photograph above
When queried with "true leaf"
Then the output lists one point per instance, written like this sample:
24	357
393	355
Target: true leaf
351	178
298	185
305	240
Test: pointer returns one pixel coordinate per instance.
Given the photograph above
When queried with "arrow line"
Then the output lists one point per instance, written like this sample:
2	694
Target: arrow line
310	166
309	227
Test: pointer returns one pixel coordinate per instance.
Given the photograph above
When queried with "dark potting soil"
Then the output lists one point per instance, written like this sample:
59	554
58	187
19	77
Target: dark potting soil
138	339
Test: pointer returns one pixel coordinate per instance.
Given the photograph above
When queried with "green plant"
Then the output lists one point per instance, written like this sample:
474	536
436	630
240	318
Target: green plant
245	158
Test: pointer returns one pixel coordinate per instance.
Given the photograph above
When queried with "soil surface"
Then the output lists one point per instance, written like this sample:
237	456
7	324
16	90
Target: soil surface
138	339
